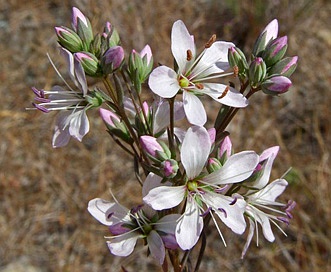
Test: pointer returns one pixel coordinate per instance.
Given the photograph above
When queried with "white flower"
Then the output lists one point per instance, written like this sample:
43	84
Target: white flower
259	206
127	226
72	121
199	189
193	74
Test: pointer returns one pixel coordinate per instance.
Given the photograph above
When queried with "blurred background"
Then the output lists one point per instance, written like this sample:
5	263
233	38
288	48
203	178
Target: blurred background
44	224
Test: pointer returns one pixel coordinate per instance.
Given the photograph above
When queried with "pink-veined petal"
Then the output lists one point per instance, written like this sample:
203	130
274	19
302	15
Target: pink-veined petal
80	75
156	246
165	197
194	109
189	228
195	150
231	97
123	245
163	82
237	168
181	41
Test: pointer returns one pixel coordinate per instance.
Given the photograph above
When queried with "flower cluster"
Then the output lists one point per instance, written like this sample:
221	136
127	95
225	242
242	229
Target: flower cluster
192	175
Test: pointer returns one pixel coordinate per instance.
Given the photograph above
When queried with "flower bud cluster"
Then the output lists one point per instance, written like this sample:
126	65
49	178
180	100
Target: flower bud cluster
268	70
99	54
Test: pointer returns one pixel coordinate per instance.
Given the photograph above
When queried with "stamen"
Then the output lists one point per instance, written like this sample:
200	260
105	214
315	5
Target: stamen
211	41
206	212
235	71
223	211
234	201
189	55
224	92
284	220
199	86
41	108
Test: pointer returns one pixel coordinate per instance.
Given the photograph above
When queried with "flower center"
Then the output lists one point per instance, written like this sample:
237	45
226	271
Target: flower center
192	186
183	82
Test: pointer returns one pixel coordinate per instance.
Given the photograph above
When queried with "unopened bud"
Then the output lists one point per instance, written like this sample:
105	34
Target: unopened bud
268	34
237	59
89	62
82	26
257	71
140	65
169	168
150	145
115	125
112	59
225	150
285	67
68	39
275	50
213	165
276	85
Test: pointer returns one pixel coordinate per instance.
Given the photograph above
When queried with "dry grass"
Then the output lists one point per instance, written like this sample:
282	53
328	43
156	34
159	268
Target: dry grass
44	192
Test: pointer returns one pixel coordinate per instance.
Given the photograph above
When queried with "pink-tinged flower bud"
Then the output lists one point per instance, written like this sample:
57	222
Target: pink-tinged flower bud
115	126
89	62
276	85
213	165
275	50
257	71
169	168
238	59
140	65
110	36
68	39
225	149
150	145
284	67
82	26
112	59
268	34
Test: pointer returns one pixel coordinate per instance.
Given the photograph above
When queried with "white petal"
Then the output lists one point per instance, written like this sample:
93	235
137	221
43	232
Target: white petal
194	110
61	135
123	245
151	181
79	124
232	97
269	155
249	236
70	63
237	168
98	208
108	213
163	82
195	150
270	192
231	215
165	197
167	224
156	246
181	41
263	219
189	228
214	60
80	75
